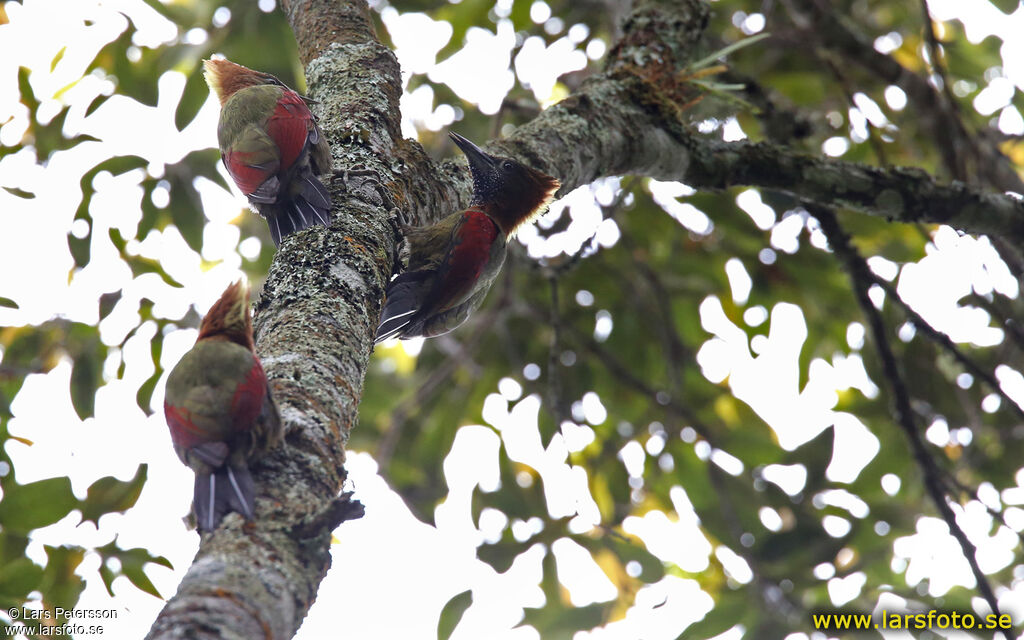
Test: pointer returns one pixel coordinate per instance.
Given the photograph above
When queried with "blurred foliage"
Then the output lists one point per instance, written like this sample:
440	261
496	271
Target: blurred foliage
651	284
539	329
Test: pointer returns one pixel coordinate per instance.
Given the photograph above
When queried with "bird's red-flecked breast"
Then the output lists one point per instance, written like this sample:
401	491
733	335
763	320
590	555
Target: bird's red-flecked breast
471	249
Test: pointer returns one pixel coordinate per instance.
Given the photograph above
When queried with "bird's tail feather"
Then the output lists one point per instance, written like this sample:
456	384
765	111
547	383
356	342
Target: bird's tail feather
227	489
310	206
392	327
400	307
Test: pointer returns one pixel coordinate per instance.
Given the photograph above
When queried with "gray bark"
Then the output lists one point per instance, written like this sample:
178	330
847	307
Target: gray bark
319	307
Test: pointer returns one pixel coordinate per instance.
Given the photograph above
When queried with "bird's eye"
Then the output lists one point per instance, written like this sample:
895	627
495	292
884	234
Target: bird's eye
507	165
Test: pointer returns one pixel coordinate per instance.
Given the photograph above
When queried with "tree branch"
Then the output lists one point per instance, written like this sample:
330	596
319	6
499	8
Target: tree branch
316	316
314	328
626	120
944	341
320	303
861	282
621	124
901	194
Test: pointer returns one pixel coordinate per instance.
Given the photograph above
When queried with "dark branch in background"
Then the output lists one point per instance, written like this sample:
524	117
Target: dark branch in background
900	194
935	109
861	280
823	26
846	85
480	326
956	485
955	162
778	134
991	165
557	401
946	343
778	604
927	100
782	123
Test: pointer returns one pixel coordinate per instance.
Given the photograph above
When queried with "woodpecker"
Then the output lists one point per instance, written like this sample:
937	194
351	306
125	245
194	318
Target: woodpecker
272	147
452	263
220	411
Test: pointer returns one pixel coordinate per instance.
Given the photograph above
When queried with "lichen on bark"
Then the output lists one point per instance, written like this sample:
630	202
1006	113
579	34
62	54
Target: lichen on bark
318	310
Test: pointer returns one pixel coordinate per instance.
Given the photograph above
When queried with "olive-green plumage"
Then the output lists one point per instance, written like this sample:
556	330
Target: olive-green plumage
272	147
428	247
243	128
453	262
220	411
204	383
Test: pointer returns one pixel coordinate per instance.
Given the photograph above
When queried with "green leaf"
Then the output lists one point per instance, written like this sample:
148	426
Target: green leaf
60	583
18	578
501	556
133	561
28	97
726	50
25	507
1006	6
85	377
109	495
452	612
96	103
559	622
12	547
189	220
651	567
144	396
87	352
139	578
728	611
57	58
192	99
21	193
108	576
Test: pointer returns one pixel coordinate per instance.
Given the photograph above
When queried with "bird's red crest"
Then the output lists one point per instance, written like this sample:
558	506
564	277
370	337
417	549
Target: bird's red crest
225	78
229	317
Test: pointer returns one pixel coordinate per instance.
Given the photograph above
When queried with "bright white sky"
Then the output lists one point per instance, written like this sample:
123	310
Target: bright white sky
420	566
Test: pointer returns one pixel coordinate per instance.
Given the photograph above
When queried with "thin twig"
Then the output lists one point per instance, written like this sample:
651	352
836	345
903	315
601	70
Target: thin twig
622	373
945	342
774	597
564	265
954	161
556	401
861	282
435	378
676	351
848	92
1008	319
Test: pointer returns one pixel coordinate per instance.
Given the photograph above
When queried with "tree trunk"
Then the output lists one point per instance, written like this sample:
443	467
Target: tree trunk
319	307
